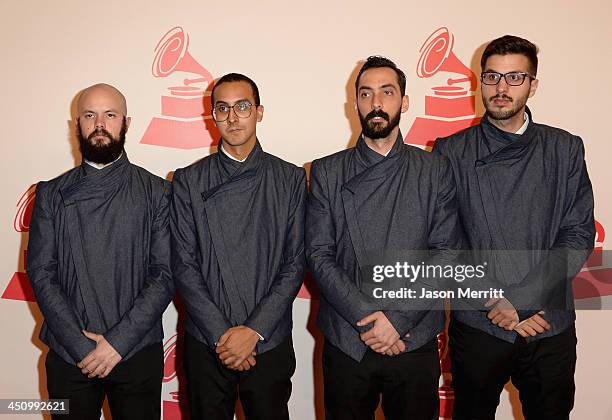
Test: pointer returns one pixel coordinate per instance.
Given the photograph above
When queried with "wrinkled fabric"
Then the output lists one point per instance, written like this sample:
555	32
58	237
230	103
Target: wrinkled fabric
520	193
361	202
238	244
99	258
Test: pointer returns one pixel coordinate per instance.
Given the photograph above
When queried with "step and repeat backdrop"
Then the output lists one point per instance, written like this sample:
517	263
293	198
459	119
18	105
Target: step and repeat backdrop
304	56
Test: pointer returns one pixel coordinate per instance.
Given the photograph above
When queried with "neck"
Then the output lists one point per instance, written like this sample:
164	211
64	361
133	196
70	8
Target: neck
512	124
383	145
240	151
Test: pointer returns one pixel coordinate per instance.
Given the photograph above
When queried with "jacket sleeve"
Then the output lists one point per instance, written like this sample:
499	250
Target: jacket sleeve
335	284
158	289
42	269
186	266
273	306
549	280
444	240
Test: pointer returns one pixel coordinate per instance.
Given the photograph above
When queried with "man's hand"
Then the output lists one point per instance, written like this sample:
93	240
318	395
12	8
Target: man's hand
101	360
532	326
503	314
397	348
382	335
236	348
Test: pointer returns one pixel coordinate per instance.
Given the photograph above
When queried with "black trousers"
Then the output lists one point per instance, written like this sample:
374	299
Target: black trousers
212	388
542	371
133	387
407	382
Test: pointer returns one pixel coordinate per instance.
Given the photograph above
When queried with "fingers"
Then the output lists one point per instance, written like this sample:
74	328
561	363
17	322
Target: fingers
492	302
92	336
87	360
393	350
529	330
541	322
368	335
534	325
368	319
493	313
106	372
223	339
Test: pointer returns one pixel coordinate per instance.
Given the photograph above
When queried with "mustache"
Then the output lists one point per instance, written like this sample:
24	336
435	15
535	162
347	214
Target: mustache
99	132
501	96
377	113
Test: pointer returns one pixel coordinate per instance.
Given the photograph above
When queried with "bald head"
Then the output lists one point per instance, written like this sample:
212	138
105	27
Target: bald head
103	95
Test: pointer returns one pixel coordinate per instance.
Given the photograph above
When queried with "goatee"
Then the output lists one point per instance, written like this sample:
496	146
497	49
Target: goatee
97	152
377	130
517	106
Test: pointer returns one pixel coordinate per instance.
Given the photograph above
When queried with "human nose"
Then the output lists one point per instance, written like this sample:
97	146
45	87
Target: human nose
232	116
502	86
377	101
99	123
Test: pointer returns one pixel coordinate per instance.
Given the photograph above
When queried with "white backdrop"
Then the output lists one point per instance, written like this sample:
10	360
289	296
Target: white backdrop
303	57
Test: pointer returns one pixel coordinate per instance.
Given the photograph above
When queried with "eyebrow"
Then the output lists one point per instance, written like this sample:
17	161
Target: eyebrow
511	71
239	100
107	110
386	85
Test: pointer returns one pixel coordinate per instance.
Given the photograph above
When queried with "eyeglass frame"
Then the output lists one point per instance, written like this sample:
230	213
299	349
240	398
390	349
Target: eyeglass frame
231	108
503	75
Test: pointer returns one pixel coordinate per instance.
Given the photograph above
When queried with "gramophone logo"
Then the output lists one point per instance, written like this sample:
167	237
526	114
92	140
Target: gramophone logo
595	279
19	285
170	384
182	122
450	107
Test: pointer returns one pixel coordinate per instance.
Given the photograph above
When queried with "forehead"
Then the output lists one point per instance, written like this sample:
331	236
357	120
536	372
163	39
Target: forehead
101	99
231	92
507	62
377	77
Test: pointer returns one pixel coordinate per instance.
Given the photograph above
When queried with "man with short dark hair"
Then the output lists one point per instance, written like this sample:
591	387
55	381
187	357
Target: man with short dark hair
238	259
525	200
380	196
99	264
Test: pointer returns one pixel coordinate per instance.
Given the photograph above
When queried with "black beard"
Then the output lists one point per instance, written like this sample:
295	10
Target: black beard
376	130
101	153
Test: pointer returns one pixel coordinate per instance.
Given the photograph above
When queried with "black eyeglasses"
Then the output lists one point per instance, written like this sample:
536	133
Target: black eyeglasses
242	109
513	78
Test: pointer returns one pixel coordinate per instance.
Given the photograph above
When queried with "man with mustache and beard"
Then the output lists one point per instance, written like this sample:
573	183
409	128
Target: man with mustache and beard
99	263
379	196
525	201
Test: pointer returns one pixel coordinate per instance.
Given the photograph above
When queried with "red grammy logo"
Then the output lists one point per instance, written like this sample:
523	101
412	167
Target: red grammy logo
182	122
595	279
170	386
452	106
19	287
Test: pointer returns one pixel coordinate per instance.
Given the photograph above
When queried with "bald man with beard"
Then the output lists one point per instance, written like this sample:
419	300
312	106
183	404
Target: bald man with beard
98	261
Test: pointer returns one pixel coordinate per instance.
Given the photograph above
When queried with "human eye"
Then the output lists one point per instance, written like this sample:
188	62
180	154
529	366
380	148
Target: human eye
491	77
111	114
514	76
222	108
88	115
243	106
364	94
389	92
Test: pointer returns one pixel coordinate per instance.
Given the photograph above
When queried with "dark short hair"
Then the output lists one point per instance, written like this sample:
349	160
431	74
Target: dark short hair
377	61
510	44
236	77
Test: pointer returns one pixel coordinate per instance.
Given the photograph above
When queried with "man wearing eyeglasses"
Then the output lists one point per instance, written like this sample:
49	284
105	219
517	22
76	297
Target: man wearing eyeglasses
525	200
238	259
